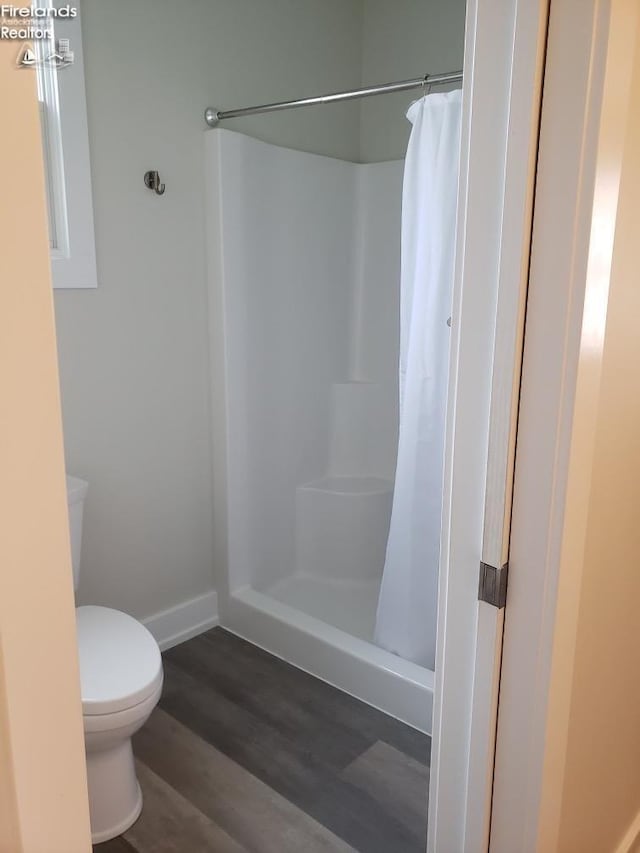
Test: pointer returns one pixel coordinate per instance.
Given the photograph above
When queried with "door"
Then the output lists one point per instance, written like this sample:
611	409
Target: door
504	57
561	755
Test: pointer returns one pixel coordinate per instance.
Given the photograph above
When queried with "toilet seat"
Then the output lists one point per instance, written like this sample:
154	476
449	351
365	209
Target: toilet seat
117	720
120	662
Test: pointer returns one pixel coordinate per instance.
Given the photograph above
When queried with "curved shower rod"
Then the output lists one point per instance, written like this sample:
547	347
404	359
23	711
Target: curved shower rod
212	115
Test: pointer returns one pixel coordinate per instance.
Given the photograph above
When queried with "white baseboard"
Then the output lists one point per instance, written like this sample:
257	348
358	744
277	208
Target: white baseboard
184	621
627	845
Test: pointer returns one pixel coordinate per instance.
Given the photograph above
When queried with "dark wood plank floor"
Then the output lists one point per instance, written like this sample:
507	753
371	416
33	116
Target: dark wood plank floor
247	754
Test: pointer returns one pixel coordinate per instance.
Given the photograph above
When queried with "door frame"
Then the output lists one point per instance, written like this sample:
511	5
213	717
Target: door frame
43	782
504	59
585	103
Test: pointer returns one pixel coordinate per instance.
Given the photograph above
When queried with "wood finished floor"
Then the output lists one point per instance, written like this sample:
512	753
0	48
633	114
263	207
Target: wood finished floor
247	754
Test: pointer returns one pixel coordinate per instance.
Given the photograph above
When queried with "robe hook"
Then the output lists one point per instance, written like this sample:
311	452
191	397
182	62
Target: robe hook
152	180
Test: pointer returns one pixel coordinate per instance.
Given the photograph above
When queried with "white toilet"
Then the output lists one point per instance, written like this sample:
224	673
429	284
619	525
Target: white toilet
121	682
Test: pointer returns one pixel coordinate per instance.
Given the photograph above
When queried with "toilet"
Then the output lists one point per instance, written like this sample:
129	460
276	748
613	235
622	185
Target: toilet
121	683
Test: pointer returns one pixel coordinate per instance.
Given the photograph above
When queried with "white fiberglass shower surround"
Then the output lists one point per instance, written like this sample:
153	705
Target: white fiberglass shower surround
304	275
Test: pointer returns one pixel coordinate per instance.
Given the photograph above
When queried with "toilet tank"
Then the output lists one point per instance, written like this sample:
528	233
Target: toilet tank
76	493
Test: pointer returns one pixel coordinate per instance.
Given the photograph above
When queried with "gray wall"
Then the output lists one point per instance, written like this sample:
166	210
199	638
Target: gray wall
134	352
403	39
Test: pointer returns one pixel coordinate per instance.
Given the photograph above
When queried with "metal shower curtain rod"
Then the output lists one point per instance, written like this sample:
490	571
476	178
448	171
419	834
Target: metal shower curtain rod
213	116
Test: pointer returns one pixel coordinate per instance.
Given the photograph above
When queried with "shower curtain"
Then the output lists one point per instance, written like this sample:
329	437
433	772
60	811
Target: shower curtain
407	607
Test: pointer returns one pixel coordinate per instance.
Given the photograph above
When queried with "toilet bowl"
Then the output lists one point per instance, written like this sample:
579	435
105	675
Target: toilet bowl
121	682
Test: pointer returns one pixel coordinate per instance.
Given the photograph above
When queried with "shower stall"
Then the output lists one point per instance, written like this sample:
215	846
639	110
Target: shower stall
304	283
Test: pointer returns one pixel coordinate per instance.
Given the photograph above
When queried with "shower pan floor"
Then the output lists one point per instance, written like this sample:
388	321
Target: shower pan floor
348	605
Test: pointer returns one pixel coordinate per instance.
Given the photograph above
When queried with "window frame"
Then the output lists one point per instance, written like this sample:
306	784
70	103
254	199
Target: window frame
62	96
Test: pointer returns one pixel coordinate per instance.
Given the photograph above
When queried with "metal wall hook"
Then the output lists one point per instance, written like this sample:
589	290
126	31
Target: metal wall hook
152	180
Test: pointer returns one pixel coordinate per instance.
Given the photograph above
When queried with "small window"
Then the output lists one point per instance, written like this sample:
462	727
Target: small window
65	140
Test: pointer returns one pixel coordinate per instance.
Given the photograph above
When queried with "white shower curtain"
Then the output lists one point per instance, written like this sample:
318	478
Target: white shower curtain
407	607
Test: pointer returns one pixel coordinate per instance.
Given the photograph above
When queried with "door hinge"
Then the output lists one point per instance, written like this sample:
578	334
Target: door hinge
493	584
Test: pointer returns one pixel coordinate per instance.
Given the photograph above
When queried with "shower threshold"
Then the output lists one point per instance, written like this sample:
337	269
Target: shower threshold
353	664
346	604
